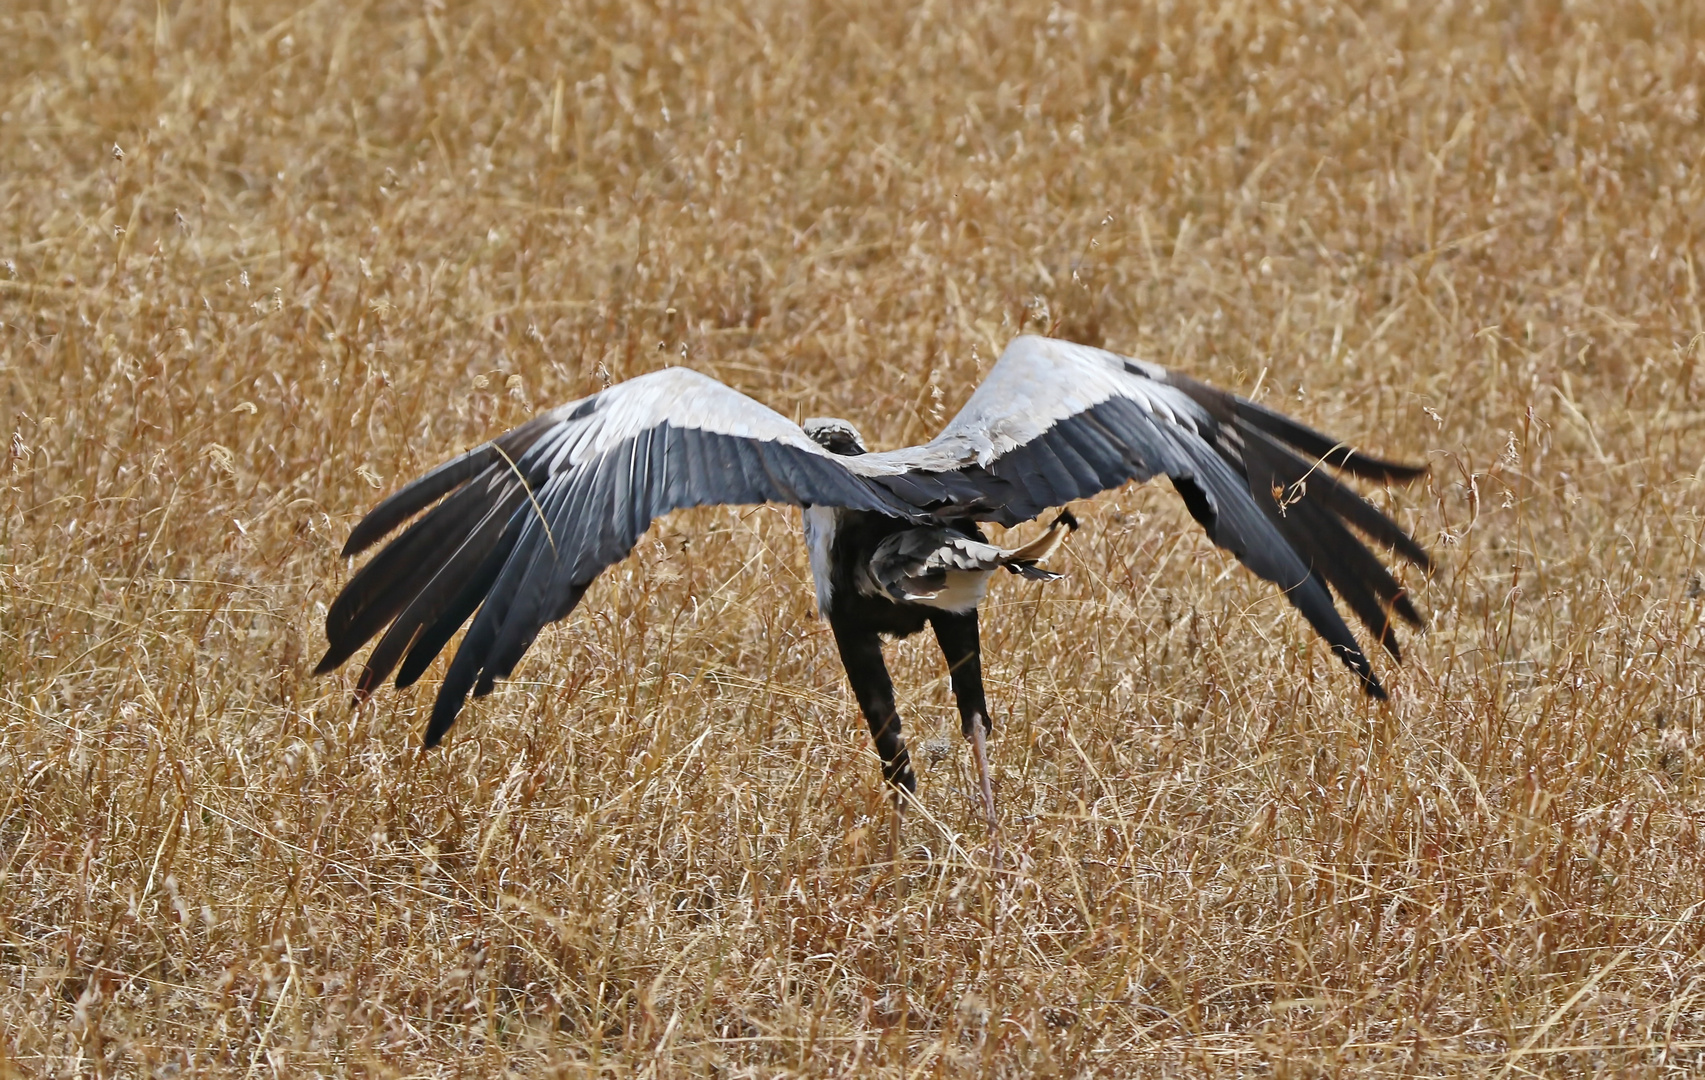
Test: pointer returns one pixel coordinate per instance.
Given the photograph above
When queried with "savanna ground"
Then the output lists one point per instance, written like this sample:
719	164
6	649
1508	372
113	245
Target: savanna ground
262	261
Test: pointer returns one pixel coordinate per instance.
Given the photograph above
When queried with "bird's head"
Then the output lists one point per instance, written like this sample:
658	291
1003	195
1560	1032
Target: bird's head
835	435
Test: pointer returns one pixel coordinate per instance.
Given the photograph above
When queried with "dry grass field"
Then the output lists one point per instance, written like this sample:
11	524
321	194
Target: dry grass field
263	260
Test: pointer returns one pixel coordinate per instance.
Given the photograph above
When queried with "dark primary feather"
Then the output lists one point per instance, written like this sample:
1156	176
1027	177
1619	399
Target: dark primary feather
446	589
443	543
422	492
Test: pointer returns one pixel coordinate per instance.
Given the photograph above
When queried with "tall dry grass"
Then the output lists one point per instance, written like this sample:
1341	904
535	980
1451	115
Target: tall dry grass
262	261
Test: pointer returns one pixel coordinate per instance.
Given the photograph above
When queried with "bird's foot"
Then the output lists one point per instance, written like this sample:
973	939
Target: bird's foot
980	751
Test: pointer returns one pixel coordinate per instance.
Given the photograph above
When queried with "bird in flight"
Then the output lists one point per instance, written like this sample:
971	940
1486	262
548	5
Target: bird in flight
524	523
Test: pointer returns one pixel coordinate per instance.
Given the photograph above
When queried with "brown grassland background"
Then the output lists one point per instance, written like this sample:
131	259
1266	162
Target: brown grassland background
261	261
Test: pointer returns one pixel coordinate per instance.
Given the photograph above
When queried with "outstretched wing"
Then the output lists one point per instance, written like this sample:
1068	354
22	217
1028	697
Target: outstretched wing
1056	421
527	521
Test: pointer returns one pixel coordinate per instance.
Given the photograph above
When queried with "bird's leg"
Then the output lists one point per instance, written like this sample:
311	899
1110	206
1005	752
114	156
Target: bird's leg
894	829
960	644
979	751
861	655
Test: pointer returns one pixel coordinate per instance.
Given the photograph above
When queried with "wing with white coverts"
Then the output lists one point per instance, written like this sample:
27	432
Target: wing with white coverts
1054	422
528	520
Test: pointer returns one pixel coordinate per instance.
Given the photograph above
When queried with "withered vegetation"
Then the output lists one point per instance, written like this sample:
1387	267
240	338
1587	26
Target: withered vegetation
262	261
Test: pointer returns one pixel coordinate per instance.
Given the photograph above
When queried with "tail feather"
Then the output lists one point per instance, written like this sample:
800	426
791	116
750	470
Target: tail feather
1033	572
1046	544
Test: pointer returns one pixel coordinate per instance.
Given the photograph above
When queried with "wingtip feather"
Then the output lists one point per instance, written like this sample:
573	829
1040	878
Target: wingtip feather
444	712
1357	661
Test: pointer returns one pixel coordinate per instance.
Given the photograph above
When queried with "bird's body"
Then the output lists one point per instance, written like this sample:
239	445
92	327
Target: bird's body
947	567
524	523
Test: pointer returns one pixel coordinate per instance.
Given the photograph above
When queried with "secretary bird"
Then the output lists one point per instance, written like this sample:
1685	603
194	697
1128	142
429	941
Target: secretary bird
529	519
